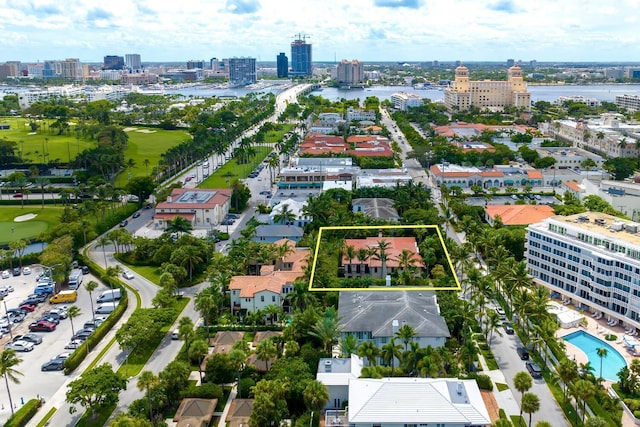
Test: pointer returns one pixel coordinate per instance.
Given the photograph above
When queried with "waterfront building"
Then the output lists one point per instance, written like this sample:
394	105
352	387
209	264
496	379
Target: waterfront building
193	64
282	65
591	260
632	73
357	115
133	62
34	71
242	71
487	94
301	65
591	102
113	62
404	100
138	79
10	69
350	73
630	102
220	67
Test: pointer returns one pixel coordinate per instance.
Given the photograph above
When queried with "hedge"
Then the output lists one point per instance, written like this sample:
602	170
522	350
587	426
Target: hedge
23	415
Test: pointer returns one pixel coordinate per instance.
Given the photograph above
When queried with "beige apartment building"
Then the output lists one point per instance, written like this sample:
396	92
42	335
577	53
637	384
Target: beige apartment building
487	94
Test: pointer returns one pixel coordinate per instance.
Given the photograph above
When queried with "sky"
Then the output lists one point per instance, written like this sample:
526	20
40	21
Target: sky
367	30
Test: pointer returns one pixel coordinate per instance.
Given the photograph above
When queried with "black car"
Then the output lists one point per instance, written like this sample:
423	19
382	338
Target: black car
16	271
523	353
53	365
534	369
85	269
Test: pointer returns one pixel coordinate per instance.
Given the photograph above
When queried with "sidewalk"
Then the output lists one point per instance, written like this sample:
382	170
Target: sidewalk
505	399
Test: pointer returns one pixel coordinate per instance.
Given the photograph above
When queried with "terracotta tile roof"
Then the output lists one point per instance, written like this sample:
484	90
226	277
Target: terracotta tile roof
534	174
397	244
250	285
489	173
572	185
519	214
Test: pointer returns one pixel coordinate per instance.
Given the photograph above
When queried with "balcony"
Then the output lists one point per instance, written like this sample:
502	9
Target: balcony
336	418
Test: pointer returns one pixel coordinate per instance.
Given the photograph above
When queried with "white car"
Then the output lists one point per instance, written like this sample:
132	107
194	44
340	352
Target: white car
26	271
5	274
127	275
73	344
63	356
19	346
60	311
6	288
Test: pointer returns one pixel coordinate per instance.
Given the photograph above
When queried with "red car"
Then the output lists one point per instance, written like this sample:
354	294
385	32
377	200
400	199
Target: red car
42	326
28	307
17	196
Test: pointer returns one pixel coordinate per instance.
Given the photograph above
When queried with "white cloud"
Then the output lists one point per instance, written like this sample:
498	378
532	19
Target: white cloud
363	29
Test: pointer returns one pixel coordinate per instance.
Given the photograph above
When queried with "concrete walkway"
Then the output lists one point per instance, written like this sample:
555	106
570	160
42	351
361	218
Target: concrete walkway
225	412
505	398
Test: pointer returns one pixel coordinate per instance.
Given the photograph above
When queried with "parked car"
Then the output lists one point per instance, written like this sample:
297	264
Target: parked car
127	275
26	271
28	306
93	324
85	269
5	274
42	326
523	353
73	344
60	311
47	318
6	288
17	196
16	271
34	338
124	223
19	346
508	328
53	365
82	334
534	369
63	356
55	316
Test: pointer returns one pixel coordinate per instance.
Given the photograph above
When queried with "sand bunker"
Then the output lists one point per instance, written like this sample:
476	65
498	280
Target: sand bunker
145	131
129	129
23	218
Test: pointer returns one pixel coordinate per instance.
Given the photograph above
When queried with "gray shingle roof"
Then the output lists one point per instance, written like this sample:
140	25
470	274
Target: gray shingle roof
375	311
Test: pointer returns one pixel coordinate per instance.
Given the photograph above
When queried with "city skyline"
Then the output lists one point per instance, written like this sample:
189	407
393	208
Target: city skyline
368	30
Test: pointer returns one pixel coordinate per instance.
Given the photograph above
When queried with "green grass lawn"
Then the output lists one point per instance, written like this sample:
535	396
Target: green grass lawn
234	170
148	146
32	145
149	272
11	230
274	136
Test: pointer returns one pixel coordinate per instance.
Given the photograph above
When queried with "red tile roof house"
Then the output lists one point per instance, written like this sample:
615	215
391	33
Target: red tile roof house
373	266
369	146
202	207
322	145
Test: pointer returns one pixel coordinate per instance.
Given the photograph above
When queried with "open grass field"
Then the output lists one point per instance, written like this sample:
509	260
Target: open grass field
232	169
33	145
275	136
11	230
147	143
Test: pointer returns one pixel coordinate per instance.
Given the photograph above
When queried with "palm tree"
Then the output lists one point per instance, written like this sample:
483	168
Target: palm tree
530	404
178	224
390	351
568	372
18	246
21	182
583	390
91	286
406	333
382	254
348	345
602	353
284	216
492	325
104	241
326	330
350	254
146	381
73	311
522	381
265	351
9	359
370	351
315	396
41	182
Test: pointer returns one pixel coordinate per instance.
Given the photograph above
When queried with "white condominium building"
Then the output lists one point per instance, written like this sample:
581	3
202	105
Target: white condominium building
404	100
487	94
590	259
629	102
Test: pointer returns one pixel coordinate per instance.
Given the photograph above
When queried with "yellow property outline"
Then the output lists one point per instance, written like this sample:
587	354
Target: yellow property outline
392	288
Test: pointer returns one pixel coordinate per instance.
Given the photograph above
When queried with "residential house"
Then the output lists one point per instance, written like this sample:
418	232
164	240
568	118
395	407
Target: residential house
377	315
271	233
239	413
400	401
335	374
295	207
373	266
201	207
195	412
377	207
369	146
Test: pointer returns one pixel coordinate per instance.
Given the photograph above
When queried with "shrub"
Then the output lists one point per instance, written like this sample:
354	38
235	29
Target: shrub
244	387
610	337
484	381
23	415
204	391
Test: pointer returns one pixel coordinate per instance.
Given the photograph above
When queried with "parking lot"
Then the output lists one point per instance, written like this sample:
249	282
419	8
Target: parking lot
34	382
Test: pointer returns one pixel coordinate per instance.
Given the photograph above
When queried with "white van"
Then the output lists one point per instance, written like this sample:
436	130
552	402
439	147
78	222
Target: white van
106	308
109	296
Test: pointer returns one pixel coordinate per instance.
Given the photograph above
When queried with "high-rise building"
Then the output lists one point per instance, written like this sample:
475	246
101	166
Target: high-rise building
133	62
220	66
487	94
242	71
282	65
301	57
511	62
113	62
350	73
193	64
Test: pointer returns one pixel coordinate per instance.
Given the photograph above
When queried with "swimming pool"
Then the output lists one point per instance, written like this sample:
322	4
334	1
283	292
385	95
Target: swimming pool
589	344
